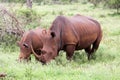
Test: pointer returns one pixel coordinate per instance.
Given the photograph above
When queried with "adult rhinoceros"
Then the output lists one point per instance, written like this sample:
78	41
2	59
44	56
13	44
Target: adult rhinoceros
70	34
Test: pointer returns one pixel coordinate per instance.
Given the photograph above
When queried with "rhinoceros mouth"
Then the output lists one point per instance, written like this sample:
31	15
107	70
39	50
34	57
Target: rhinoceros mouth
43	62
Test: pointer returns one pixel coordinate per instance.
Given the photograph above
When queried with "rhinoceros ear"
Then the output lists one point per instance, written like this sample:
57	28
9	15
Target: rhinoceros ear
26	45
53	34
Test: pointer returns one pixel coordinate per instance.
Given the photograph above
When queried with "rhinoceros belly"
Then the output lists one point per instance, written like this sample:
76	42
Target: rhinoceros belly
86	41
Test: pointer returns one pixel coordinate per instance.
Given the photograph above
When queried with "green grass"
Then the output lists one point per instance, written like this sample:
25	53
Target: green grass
105	65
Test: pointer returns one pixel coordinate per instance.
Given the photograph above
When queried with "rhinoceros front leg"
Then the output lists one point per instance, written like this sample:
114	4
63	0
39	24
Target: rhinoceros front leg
70	51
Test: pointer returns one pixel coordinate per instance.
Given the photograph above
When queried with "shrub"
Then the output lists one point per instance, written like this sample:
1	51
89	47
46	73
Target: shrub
114	4
10	28
29	17
95	2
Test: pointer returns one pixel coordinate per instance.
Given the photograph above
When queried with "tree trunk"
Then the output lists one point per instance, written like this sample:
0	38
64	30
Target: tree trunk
29	3
117	10
118	7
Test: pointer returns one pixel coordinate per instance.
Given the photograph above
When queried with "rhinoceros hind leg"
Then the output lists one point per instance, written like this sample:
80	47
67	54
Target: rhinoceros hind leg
88	51
95	47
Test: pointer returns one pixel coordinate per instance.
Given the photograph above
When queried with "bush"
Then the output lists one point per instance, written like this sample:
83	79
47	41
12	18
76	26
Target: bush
95	2
114	4
29	17
10	29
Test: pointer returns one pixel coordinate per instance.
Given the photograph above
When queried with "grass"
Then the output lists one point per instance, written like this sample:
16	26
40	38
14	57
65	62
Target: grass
93	70
105	65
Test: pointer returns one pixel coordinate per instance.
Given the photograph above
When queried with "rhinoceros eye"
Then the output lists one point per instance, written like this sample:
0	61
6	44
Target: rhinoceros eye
25	45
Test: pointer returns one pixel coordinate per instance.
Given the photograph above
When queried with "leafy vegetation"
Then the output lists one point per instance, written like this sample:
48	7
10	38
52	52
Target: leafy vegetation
104	66
107	3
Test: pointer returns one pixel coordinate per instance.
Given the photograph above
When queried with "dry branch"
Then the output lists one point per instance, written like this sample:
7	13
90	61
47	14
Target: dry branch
9	24
2	75
15	27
